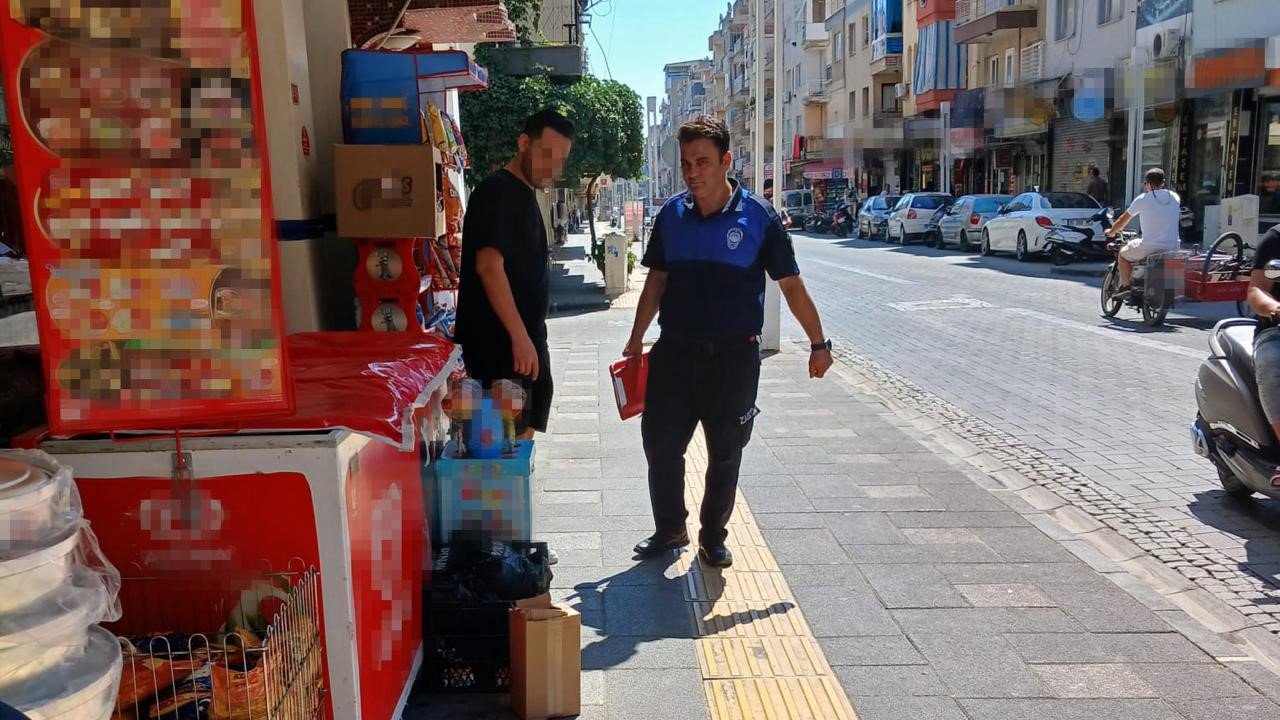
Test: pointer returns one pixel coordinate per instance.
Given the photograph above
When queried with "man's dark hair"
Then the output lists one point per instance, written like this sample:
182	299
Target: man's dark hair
548	118
1093	170
1155	176
706	127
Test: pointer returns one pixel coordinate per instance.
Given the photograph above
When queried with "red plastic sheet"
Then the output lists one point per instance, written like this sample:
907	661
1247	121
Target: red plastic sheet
366	382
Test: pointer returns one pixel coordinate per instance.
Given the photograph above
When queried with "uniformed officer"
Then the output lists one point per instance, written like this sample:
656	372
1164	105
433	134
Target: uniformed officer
707	257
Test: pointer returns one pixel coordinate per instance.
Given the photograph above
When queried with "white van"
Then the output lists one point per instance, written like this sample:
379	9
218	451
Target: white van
799	204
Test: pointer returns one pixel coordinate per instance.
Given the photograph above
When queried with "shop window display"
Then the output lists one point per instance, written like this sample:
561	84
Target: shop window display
1269	162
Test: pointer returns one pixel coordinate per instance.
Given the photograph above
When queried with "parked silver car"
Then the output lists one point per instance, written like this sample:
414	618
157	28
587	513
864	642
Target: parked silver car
873	218
962	224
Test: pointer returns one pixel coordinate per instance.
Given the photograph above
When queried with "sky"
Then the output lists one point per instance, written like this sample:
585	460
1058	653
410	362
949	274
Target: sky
638	37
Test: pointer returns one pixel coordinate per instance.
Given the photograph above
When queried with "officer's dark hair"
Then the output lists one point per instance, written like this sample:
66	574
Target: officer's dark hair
1155	177
548	118
706	127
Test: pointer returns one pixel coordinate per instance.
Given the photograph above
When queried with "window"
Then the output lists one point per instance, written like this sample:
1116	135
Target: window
888	103
903	203
852	35
989	204
1070	201
1269	162
1066	19
866	31
993	71
1010	74
928	202
837	50
1110	11
1020	203
866	102
853	104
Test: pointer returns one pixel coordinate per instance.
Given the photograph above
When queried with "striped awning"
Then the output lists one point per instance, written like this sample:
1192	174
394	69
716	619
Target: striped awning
940	61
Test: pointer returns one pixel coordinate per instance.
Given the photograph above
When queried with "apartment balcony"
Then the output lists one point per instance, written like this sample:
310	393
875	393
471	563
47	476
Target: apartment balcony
816	36
817	92
977	20
888	118
1032	63
815	148
886	56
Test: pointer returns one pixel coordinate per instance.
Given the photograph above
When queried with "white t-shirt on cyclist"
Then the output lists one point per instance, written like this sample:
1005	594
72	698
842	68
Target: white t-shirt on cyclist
1160	212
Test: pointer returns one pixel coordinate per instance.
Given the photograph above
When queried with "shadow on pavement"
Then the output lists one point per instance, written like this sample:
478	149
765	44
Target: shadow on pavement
1256	522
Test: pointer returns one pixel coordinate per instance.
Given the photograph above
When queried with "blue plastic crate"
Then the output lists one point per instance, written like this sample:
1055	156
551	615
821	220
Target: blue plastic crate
490	497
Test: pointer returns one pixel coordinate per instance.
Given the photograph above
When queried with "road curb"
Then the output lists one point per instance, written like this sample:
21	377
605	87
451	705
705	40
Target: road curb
1078	272
1221	622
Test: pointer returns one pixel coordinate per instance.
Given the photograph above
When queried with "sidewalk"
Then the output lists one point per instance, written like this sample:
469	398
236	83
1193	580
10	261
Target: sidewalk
876	576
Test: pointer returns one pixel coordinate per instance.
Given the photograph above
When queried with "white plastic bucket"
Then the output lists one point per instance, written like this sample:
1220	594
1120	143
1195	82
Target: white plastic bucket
80	688
38	501
25	579
48	633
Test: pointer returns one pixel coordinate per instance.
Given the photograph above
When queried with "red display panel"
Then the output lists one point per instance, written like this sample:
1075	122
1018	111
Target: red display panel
142	172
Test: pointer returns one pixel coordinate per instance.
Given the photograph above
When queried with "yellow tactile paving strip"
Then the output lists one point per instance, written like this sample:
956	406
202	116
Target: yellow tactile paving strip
758	657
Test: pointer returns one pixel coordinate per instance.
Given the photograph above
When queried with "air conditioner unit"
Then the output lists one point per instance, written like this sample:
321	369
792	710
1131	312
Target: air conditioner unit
1166	43
900	90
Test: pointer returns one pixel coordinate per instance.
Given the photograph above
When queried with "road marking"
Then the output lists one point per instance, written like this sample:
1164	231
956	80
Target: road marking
1111	333
955	303
867	273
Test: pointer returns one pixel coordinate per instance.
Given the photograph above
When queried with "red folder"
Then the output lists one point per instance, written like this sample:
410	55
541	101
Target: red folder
629	378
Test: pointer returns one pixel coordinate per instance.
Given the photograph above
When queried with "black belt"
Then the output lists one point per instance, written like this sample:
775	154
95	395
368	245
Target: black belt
708	345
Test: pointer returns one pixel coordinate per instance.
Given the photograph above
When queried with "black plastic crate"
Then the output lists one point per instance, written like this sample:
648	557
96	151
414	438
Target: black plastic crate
467	664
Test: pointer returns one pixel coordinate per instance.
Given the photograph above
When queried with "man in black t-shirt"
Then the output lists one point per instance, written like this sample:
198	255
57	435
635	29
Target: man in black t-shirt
1265	301
505	279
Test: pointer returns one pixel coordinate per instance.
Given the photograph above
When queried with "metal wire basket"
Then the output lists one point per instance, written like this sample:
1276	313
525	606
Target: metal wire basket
229	676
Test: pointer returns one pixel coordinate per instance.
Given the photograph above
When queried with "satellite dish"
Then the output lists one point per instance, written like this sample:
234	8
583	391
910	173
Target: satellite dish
671	152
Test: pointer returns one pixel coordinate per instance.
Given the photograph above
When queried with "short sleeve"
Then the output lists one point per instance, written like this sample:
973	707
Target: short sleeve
1268	249
655	254
1136	207
779	255
485	225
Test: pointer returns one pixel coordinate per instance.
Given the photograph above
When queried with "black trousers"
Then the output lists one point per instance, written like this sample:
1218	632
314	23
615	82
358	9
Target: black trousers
693	382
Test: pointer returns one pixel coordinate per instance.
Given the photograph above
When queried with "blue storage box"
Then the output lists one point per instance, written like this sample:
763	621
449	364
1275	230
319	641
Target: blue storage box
383	92
490	497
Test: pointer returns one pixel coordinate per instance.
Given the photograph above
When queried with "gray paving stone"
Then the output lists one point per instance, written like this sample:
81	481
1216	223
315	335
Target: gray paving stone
646	611
870	650
941	536
906	708
627	502
1061	648
828	486
935	554
630	695
978	666
808	454
984	621
771	480
912	586
1228	709
1075	709
895	681
1035	574
863	529
1187	681
640	524
894	491
794	521
844	612
1005	595
1126	618
959	497
805	547
950	519
1092	681
763	500
845	576
620	652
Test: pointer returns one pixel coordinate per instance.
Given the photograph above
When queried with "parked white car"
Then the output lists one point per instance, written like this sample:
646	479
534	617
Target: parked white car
910	217
1021	225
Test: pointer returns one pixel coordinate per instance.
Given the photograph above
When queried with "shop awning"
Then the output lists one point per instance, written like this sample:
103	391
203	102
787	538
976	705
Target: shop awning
449	70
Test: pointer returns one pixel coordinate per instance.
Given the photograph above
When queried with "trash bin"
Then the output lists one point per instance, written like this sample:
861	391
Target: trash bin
616	246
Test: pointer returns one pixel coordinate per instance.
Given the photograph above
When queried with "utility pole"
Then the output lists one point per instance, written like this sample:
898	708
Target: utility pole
771	339
1137	116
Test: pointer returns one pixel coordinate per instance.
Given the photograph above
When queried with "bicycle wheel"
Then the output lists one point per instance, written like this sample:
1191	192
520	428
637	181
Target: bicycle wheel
1229	247
1111	283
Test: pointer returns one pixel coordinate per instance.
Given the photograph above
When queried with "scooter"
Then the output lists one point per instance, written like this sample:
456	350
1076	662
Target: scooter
842	222
1230	429
1065	244
819	222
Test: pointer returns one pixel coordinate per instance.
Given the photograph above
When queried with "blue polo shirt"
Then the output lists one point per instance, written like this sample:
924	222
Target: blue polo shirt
715	265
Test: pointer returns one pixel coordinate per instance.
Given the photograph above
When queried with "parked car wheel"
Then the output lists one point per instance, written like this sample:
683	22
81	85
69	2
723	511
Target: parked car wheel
986	244
902	235
1020	252
862	231
931	240
965	245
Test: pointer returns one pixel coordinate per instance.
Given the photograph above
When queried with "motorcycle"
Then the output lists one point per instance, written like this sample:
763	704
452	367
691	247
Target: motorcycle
1065	244
842	221
1230	429
1151	285
819	222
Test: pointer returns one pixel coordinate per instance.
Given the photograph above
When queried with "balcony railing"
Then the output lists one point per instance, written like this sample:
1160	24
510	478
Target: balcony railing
969	10
1032	58
816	36
817	91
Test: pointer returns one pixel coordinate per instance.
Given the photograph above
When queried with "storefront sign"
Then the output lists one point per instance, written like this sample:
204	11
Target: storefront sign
148	218
1233	149
1152	12
1226	68
1182	150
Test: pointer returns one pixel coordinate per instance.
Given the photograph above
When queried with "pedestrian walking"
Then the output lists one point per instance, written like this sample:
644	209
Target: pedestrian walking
1097	187
707	257
505	279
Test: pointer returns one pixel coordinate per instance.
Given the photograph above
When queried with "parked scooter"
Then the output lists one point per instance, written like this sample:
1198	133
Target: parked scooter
818	222
842	221
1065	244
1231	429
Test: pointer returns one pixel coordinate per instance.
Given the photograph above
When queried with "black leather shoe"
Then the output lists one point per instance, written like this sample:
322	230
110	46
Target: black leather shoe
659	543
716	556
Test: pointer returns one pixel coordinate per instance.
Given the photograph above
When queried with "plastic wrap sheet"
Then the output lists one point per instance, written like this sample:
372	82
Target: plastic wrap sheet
368	382
38	502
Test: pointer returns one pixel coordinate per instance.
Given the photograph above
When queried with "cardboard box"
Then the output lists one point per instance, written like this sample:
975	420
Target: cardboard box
387	191
546	659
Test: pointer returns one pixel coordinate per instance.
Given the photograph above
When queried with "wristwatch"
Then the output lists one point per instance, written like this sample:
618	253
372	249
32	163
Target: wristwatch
824	345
